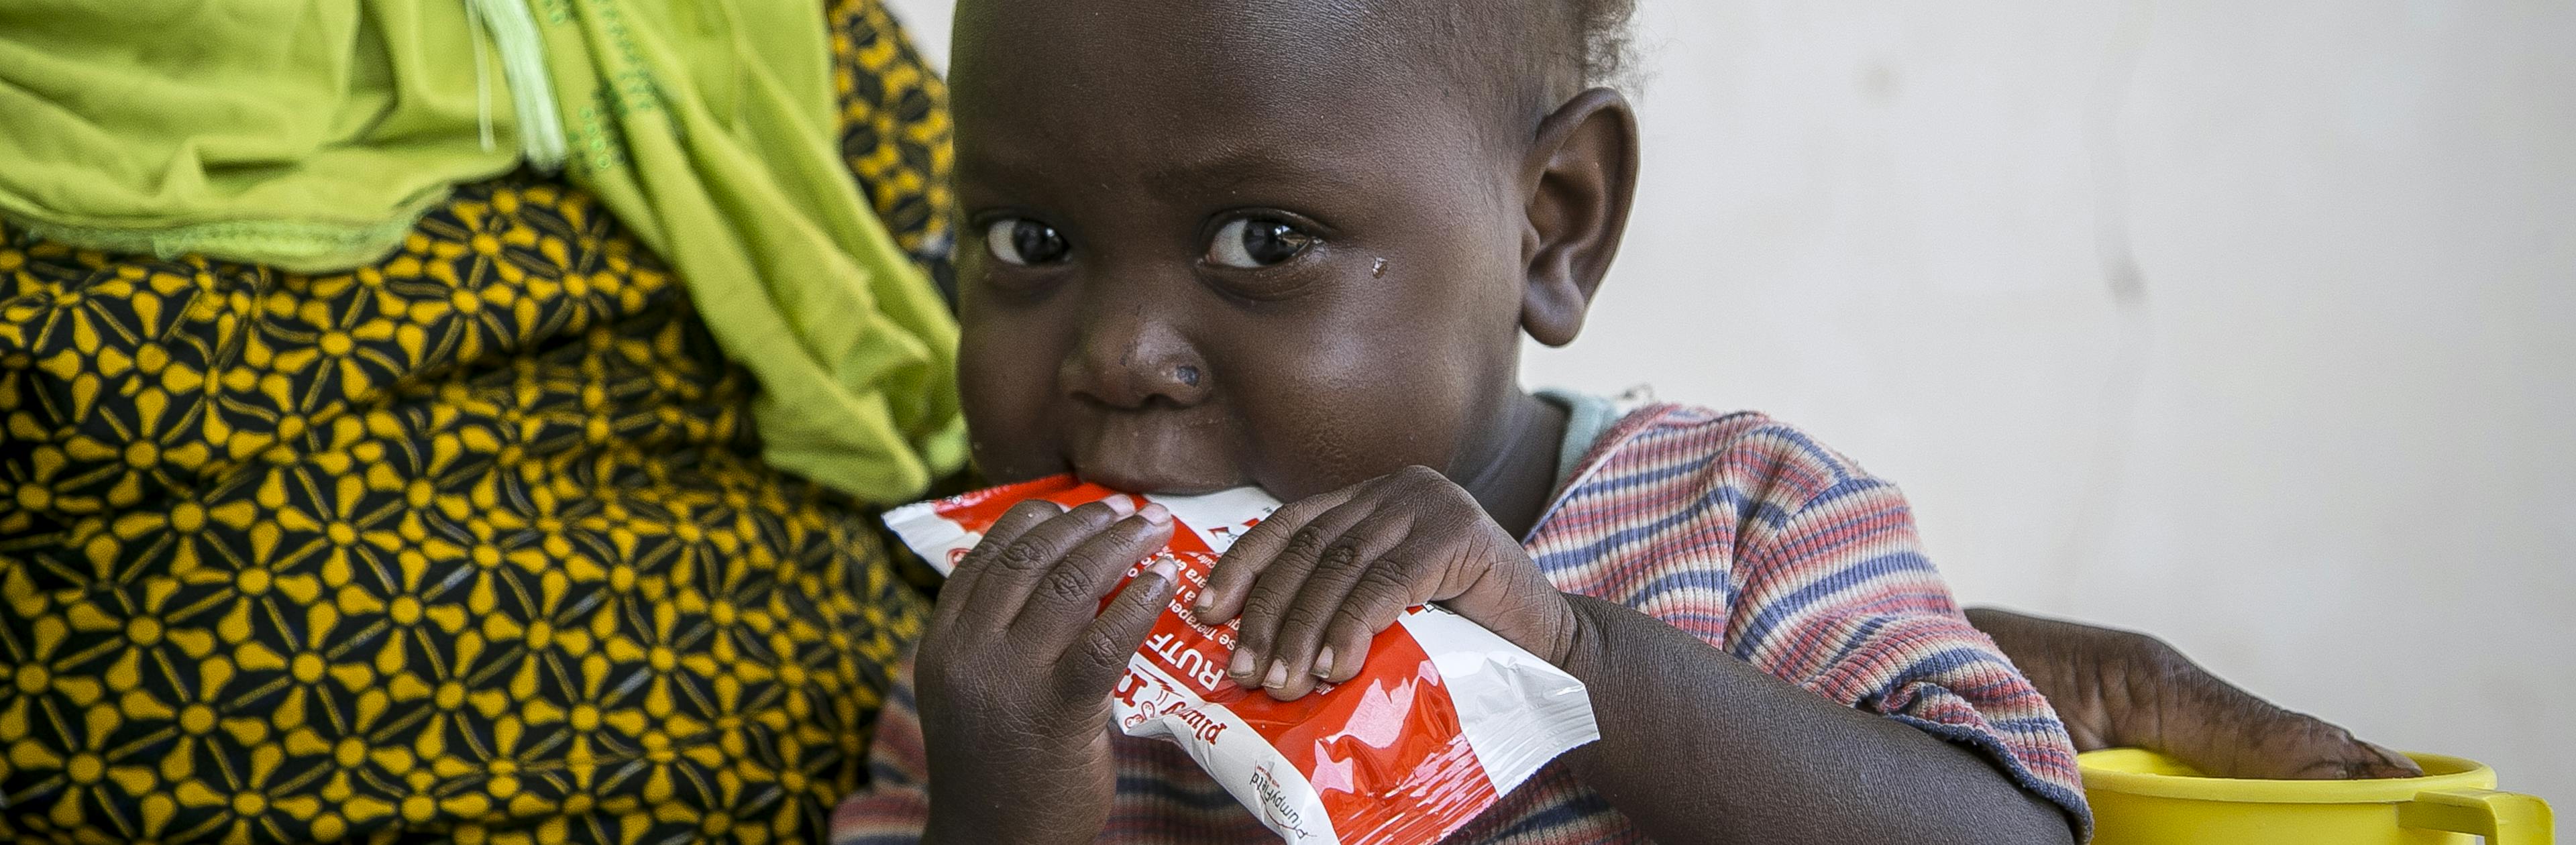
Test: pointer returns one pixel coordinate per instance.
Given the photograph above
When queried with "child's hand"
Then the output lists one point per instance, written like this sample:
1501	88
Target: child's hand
1016	670
1321	577
2116	688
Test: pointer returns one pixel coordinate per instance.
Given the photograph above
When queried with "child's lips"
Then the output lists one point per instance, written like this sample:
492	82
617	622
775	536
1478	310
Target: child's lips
1136	455
1147	482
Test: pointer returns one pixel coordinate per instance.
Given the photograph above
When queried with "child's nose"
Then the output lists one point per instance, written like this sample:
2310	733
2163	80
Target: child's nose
1131	362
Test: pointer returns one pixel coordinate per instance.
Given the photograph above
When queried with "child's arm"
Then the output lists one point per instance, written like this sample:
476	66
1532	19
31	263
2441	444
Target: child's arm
1698	745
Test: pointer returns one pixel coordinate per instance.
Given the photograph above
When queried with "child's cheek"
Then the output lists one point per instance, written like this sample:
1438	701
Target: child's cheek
1317	441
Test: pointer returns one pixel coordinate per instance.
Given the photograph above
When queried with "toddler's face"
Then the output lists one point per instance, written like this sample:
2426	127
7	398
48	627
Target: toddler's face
1210	247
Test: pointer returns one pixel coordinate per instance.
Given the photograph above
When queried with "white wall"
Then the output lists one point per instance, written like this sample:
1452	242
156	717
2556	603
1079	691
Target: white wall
2249	324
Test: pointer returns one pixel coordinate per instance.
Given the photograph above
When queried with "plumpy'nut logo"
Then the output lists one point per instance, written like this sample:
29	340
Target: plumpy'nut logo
1144	697
1206	728
1274	804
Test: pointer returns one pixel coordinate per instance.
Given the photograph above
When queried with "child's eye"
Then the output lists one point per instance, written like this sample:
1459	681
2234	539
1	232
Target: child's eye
1022	241
1251	243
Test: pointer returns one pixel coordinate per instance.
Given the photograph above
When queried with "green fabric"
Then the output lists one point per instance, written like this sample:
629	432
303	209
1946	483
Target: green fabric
301	133
306	135
708	127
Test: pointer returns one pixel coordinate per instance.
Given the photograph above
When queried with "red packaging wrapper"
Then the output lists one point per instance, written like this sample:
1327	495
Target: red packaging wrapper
1444	718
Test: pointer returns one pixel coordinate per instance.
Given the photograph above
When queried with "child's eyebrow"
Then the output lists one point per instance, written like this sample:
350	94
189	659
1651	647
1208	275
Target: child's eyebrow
1226	169
1232	168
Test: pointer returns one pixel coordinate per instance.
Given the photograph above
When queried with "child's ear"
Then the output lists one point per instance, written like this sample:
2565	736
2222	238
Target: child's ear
1582	173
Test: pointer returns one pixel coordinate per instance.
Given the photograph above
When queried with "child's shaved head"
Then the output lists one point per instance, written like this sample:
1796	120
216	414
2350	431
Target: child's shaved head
1584	40
1603	26
1536	52
1292	243
1529	54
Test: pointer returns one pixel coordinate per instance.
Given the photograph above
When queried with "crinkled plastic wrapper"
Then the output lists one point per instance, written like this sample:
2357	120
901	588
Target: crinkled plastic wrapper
1444	719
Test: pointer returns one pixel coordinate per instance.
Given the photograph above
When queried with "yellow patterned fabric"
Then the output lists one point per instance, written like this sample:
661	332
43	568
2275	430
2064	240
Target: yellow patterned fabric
895	134
474	543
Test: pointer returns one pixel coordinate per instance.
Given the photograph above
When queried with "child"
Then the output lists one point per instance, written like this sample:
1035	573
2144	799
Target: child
1294	244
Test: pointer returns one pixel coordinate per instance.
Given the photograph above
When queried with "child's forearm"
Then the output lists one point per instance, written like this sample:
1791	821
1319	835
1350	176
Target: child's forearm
1698	746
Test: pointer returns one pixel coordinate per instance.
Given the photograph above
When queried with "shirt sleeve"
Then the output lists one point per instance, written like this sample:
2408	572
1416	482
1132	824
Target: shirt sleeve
1834	593
895	805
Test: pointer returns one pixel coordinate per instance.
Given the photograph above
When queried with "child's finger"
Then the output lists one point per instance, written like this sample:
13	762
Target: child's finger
2389	764
1230	579
1093	666
961	579
1068	595
1274	592
1375	603
1351	566
1005	572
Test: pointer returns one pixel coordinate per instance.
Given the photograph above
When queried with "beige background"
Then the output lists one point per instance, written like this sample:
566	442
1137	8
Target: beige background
2249	324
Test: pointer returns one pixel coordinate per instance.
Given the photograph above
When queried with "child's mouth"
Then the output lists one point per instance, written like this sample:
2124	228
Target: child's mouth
1143	454
1147	479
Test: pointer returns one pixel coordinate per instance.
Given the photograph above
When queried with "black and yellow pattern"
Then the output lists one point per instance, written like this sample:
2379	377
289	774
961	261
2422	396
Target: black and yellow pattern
895	134
473	543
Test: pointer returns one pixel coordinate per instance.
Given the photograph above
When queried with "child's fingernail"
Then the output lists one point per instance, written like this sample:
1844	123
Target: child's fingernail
1166	569
1155	513
1278	676
1120	505
1324	663
1241	665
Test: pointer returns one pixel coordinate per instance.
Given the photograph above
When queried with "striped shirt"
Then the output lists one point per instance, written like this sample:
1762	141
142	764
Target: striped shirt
1735	528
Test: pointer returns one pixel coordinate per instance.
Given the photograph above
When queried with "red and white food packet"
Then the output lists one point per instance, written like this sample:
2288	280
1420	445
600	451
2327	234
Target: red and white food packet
1444	719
